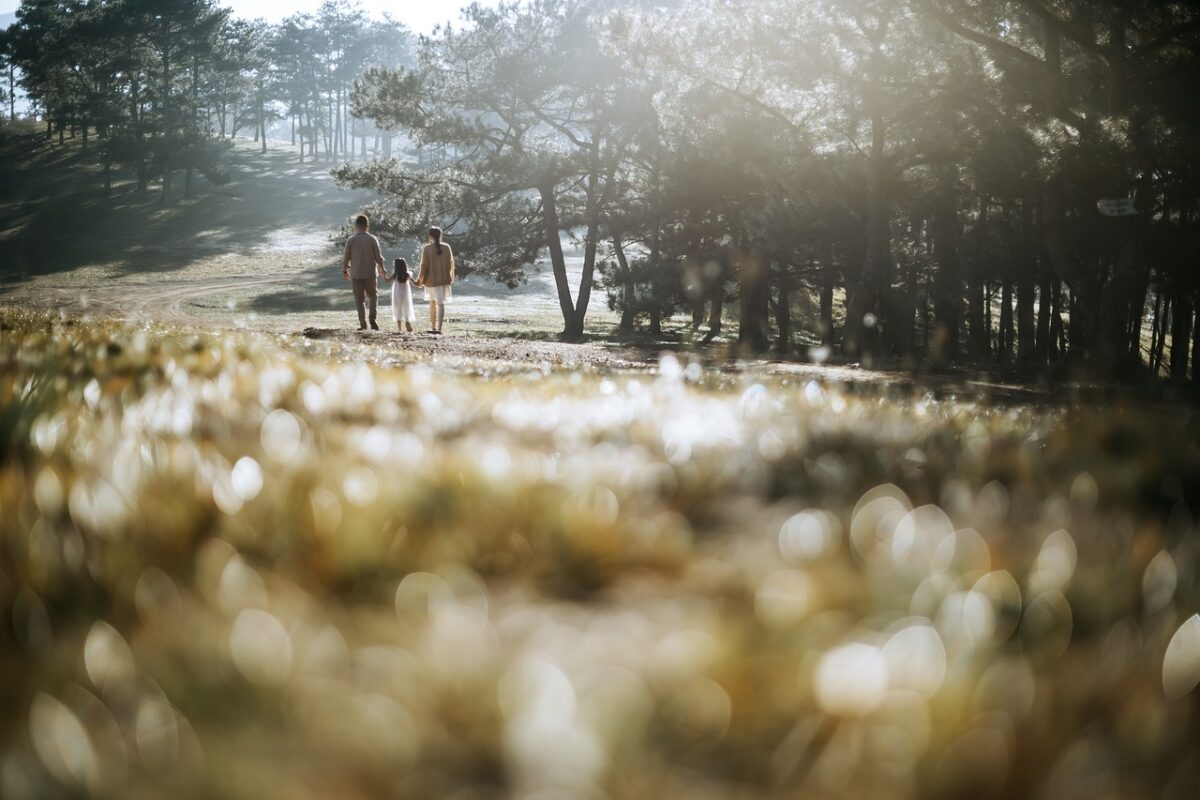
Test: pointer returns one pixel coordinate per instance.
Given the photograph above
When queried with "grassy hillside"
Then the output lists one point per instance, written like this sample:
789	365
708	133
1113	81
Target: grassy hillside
258	252
58	218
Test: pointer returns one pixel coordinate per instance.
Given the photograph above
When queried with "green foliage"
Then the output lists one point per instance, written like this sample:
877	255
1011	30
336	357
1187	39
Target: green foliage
534	144
214	161
158	82
847	145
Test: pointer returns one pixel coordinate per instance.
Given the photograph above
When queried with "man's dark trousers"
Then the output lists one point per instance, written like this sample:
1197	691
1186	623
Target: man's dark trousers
364	290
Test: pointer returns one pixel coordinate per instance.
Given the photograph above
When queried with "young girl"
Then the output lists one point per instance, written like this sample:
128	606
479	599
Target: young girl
402	301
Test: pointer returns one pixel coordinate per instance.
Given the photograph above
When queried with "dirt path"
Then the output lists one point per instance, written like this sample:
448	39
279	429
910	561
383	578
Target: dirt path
161	301
178	302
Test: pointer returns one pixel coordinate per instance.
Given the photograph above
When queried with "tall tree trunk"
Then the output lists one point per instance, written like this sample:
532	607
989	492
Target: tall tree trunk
871	296
1006	322
1026	323
783	314
989	294
1057	345
1155	327
828	284
652	261
558	263
187	181
1137	315
1041	349
1161	345
1077	337
591	242
262	114
1181	337
977	324
1196	351
927	323
715	287
754	291
628	289
1026	271
165	99
331	151
339	132
947	282
902	311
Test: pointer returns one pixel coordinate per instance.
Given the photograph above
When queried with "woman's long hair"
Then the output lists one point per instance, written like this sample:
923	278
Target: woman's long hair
436	235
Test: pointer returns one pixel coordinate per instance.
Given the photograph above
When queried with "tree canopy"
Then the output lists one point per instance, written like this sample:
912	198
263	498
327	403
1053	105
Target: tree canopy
164	84
931	173
916	181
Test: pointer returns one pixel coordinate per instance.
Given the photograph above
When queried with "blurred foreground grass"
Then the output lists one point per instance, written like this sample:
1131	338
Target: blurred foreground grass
232	566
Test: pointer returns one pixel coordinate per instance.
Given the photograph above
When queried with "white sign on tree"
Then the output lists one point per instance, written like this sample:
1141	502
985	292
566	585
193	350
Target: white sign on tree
1117	207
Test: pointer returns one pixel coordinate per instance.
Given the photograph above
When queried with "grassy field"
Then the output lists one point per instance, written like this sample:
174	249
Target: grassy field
246	552
256	253
242	565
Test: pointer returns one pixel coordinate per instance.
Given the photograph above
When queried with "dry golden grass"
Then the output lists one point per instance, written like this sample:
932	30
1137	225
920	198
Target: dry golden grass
236	566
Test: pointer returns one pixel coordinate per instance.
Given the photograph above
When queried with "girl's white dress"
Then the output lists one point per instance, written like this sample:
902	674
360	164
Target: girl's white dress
402	301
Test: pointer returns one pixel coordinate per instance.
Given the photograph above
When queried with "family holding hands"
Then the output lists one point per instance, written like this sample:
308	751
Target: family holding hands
363	257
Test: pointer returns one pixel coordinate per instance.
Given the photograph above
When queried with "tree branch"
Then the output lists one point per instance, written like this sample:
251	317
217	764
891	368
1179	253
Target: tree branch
996	46
1166	38
1069	31
989	42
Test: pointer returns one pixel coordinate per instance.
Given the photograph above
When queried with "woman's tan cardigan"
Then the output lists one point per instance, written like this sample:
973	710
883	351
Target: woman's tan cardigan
436	270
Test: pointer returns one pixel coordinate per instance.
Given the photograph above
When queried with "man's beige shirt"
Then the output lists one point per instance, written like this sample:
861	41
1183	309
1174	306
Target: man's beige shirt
362	250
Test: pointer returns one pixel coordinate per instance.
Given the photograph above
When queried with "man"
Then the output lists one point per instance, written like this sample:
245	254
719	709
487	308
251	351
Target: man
360	263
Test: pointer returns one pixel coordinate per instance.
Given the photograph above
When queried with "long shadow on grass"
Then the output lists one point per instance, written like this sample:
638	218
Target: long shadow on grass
57	216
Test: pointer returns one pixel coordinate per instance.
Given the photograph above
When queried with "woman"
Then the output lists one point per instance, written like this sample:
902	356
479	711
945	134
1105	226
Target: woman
437	276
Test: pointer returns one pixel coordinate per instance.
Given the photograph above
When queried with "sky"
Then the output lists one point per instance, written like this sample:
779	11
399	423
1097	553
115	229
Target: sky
420	15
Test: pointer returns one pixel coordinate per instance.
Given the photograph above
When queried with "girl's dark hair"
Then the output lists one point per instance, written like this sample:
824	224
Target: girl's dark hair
401	269
436	235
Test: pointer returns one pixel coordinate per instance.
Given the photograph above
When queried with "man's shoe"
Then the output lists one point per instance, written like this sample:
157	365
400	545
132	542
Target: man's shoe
362	327
374	326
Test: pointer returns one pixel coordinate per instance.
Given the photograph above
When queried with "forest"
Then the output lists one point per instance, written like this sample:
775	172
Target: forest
815	415
925	182
162	86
